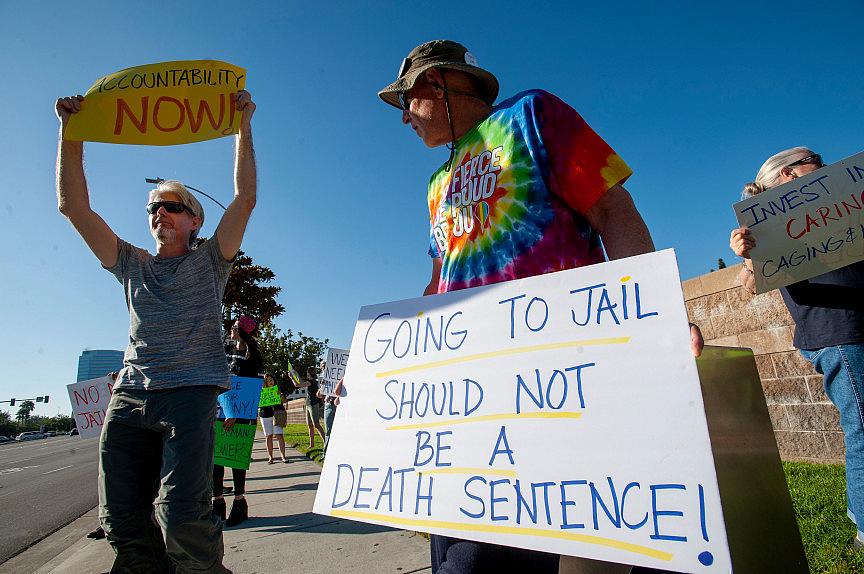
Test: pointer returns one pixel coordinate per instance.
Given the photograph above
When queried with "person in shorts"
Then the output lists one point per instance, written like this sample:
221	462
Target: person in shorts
273	420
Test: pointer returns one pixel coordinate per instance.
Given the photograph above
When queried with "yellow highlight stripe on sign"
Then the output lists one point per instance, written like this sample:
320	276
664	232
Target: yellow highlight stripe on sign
519	531
161	104
496	417
504	352
470	470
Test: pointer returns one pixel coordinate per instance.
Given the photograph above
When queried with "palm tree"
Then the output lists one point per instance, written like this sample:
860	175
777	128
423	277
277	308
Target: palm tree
24	411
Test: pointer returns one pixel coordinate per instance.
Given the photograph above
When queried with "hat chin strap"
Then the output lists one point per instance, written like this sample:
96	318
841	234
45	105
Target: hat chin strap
452	145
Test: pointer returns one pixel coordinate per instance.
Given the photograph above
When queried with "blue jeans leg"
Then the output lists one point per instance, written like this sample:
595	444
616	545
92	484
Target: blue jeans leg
842	368
329	417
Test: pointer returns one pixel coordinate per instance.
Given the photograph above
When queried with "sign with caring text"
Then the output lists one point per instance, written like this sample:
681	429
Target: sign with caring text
334	370
89	402
808	226
241	400
161	104
560	413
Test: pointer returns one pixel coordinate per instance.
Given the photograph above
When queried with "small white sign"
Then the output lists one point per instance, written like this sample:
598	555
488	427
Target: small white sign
808	226
334	370
89	402
560	413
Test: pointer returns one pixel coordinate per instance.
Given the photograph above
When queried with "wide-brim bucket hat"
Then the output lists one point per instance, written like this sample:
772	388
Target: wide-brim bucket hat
439	54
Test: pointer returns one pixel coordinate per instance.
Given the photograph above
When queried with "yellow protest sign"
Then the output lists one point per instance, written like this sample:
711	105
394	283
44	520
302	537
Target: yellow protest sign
161	104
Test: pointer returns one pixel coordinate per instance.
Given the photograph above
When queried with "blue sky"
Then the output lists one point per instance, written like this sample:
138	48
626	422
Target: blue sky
693	99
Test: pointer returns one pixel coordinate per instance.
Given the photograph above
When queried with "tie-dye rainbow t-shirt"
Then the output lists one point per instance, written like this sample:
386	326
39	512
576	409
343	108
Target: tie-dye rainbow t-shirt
513	203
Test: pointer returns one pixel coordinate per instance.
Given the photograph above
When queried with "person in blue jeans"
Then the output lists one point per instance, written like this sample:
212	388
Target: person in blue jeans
330	404
828	311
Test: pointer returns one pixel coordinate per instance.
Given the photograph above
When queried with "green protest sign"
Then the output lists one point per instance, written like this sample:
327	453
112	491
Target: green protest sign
270	397
234	447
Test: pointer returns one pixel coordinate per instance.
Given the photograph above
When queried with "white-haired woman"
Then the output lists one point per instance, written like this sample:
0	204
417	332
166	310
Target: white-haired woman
828	311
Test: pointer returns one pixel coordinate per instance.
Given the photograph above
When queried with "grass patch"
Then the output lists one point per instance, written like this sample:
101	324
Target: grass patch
297	436
819	497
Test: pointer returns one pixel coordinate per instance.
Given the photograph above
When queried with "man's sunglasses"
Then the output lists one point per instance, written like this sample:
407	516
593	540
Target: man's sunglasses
815	159
404	100
170	207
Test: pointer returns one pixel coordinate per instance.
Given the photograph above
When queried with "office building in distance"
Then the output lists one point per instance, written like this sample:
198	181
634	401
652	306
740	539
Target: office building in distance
98	363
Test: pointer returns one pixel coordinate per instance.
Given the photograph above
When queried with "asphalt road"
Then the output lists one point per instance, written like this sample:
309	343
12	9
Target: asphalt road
44	485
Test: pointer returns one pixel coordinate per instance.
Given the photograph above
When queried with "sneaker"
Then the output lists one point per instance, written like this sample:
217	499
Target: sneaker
218	508
239	512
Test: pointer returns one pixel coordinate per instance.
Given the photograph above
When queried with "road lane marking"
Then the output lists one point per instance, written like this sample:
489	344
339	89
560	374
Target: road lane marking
21	460
58	469
16	469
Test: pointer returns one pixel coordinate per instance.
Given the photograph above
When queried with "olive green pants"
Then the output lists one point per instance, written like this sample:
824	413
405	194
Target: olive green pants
155	459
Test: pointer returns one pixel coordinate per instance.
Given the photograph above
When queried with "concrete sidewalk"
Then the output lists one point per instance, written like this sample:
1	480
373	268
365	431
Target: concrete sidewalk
281	535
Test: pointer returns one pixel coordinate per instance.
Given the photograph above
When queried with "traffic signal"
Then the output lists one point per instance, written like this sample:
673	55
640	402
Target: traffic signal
46	398
12	403
38	399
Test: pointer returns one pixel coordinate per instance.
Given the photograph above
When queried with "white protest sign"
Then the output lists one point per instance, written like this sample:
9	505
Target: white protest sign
334	370
89	402
808	226
560	413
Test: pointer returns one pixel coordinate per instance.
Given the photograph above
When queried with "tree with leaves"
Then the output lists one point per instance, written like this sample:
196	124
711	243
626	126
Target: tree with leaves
24	411
282	351
248	292
60	423
7	427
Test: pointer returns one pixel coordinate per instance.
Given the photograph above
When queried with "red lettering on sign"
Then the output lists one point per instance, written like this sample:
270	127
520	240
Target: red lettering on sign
180	107
187	110
87	396
122	107
789	230
196	119
82	425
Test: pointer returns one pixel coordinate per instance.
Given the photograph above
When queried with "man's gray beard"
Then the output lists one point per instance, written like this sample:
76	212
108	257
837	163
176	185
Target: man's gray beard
165	235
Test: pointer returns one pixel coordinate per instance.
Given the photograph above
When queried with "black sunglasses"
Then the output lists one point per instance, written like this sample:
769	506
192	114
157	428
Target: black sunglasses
170	207
815	159
404	100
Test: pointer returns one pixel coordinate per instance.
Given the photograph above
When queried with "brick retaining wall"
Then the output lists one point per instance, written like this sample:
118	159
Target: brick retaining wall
296	411
806	424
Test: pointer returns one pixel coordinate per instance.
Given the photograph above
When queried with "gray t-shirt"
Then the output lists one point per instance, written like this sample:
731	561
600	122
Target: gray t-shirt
175	315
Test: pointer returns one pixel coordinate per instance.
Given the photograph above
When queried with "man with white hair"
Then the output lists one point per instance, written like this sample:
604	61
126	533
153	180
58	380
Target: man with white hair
156	447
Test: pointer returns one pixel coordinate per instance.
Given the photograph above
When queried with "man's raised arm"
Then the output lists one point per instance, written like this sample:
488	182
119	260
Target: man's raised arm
233	223
73	200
